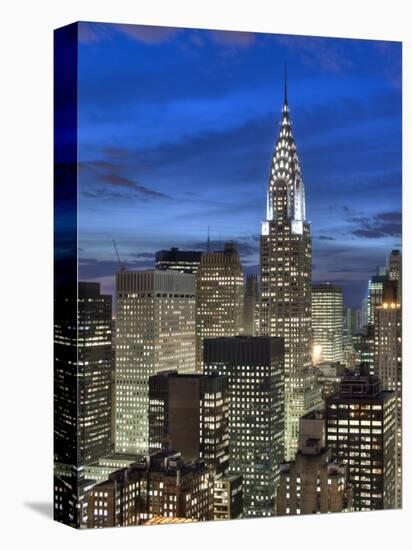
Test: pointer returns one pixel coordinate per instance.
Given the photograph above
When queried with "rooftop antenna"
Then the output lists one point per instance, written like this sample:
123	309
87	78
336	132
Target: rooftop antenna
286	83
208	239
122	267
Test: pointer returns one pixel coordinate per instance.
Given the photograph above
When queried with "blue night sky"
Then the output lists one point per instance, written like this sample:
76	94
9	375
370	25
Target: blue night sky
177	129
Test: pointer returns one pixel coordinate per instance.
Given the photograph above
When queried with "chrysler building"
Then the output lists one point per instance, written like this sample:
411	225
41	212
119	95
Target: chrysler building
285	271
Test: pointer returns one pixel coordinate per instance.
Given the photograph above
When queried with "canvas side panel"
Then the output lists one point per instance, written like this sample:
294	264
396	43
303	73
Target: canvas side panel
67	505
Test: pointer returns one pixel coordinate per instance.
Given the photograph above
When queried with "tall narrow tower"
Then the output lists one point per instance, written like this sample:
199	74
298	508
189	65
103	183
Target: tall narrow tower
285	270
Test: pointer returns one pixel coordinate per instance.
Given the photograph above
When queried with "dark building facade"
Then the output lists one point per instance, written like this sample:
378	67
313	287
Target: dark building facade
190	413
361	430
83	376
363	347
83	366
250	306
71	499
228	497
254	367
183	261
161	485
95	368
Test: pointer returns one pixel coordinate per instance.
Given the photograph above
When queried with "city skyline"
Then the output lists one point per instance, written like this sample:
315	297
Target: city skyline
214	130
235	378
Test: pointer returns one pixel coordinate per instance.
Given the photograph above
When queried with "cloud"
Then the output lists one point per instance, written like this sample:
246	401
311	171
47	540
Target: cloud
244	249
88	33
116	151
104	195
146	255
325	238
148	34
104	172
90	268
122	181
233	38
385	224
93	33
317	52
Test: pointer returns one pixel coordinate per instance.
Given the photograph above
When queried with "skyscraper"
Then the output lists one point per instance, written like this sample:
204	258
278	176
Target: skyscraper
219	297
363	345
375	295
155	331
285	276
394	270
388	366
83	366
183	261
327	321
254	367
314	483
250	305
361	431
190	413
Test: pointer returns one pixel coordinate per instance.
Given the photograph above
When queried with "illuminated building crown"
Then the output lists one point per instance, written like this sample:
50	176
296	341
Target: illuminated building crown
286	192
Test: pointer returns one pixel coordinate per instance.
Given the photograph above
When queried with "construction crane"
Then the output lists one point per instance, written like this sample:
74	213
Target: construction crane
122	267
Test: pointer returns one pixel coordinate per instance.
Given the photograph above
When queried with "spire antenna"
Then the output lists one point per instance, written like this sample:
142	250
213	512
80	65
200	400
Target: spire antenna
286	83
208	239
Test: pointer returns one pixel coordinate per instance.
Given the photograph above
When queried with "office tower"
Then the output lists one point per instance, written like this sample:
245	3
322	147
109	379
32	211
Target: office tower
219	298
361	431
359	324
95	367
375	295
314	483
66	437
190	413
394	270
83	371
350	321
183	261
254	367
250	305
388	366
363	345
327	321
160	485
285	277
329	377
155	331
364	311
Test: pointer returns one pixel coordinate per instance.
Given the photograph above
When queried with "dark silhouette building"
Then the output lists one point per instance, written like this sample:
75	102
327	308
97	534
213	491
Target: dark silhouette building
250	306
183	261
190	413
82	392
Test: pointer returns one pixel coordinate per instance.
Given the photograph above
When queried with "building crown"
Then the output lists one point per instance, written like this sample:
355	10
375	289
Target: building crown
286	194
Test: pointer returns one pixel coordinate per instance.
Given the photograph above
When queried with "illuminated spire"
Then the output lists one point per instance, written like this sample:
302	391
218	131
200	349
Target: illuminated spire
285	174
